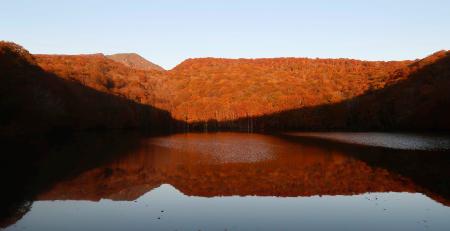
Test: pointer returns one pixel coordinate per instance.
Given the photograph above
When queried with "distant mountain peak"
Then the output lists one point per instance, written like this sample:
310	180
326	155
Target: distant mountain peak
135	61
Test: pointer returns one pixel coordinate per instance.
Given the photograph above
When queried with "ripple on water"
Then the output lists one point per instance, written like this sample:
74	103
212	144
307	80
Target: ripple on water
223	149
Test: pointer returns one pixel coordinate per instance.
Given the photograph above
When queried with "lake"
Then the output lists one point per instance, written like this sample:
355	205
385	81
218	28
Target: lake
232	181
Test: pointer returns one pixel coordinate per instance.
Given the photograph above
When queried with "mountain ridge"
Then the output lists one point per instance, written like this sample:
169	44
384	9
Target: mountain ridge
275	93
135	61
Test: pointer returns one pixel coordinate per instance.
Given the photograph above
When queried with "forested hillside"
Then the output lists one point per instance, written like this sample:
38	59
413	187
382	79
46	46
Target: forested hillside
228	89
417	99
103	74
86	91
36	101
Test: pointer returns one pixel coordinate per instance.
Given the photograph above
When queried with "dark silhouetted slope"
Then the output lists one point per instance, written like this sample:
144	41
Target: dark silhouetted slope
276	93
417	99
100	73
33	100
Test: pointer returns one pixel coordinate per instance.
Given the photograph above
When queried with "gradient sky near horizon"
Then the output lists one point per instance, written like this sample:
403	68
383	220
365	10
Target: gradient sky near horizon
168	31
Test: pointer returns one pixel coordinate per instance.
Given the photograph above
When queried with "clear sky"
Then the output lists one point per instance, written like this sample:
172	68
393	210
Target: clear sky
168	31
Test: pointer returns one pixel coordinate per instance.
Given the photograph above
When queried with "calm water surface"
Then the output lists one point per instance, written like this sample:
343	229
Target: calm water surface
235	181
386	140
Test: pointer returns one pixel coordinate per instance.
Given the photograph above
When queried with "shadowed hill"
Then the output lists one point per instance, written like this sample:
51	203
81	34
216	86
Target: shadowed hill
33	100
105	75
421	101
275	94
135	61
415	97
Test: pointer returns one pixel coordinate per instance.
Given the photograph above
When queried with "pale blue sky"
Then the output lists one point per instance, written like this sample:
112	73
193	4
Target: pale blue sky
169	31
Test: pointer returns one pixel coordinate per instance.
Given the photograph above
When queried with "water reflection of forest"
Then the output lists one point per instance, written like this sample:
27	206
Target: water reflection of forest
207	165
124	167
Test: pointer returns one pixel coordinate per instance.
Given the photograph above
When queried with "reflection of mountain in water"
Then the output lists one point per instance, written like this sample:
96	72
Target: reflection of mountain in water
126	166
190	163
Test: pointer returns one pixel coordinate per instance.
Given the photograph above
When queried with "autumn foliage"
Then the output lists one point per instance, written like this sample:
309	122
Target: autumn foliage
103	74
35	101
223	89
228	89
260	94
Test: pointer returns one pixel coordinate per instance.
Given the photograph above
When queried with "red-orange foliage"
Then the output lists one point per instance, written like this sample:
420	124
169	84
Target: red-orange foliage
218	89
282	92
212	89
98	72
33	100
227	89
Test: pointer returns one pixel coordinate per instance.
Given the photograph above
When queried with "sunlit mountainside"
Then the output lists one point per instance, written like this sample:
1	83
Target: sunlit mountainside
97	91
